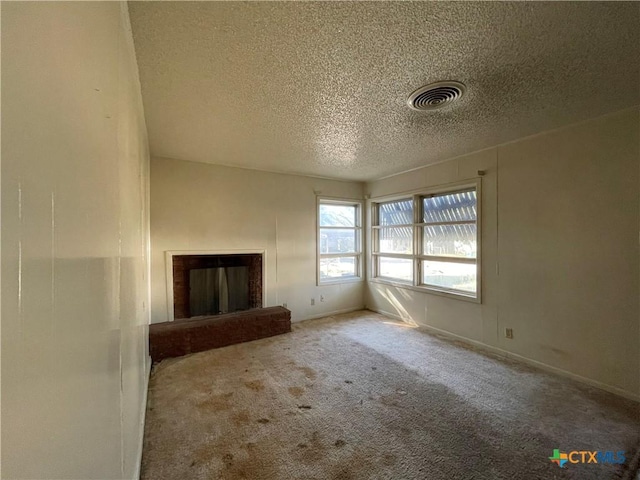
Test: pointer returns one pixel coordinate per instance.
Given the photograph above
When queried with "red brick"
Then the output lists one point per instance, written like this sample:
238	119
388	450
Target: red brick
181	337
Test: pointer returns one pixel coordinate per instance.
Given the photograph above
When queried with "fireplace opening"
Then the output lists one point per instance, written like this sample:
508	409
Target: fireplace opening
205	285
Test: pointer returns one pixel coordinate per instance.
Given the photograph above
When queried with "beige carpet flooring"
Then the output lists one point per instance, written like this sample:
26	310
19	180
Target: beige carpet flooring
361	396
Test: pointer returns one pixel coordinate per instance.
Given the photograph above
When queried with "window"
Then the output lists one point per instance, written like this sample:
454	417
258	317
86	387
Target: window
339	241
429	241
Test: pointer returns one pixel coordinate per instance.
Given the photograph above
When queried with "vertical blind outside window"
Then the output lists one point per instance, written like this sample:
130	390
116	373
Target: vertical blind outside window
429	241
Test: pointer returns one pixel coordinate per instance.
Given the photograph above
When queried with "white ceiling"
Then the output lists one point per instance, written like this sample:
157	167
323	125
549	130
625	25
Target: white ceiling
319	88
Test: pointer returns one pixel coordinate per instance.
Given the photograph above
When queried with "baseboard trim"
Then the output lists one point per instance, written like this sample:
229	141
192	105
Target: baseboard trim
515	356
328	314
147	374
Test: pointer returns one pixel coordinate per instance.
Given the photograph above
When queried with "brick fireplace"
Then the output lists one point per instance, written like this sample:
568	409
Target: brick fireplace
213	284
217	300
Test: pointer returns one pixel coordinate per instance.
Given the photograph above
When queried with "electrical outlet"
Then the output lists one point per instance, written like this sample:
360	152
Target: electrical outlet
508	333
284	304
313	301
322	298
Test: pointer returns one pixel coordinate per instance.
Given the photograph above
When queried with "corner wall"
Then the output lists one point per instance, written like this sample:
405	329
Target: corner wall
74	243
196	206
560	251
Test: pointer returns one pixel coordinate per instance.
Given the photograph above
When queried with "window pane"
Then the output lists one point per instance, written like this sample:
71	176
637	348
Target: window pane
337	267
397	268
337	241
450	240
452	207
395	213
395	240
457	276
337	215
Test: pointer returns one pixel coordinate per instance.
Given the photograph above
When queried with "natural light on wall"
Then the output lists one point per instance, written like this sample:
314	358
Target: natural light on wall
429	241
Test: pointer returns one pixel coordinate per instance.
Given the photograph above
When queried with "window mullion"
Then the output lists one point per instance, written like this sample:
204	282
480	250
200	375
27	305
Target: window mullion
322	227
440	258
436	224
416	240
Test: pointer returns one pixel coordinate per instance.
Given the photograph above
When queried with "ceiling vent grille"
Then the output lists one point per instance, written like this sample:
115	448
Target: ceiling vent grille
435	95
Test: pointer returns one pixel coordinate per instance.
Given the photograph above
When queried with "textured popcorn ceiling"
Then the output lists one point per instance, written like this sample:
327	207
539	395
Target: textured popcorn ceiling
320	88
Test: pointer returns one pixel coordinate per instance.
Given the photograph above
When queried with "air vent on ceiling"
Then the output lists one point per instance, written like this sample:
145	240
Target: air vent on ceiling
435	95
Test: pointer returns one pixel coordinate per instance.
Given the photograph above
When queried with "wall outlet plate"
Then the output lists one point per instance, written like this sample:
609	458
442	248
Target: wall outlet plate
508	333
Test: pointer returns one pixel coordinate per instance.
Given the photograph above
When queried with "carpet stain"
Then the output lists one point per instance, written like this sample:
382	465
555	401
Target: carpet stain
310	373
263	420
296	391
315	451
389	400
216	403
357	465
343	473
340	443
241	418
389	459
255	385
253	463
204	454
227	459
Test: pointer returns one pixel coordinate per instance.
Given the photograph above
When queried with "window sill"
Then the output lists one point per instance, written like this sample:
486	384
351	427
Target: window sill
435	291
339	280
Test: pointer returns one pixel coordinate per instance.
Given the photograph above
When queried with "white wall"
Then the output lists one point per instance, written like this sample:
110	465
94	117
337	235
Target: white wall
560	251
74	242
196	206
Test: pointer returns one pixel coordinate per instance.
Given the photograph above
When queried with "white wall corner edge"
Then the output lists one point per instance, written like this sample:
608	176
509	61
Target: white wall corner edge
147	375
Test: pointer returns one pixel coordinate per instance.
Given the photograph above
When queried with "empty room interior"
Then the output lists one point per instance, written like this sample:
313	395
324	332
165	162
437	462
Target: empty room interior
320	240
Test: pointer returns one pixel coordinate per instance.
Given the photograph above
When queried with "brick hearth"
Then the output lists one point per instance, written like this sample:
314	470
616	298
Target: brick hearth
174	339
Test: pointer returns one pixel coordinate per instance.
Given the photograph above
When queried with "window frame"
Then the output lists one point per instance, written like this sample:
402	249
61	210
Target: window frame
359	241
417	256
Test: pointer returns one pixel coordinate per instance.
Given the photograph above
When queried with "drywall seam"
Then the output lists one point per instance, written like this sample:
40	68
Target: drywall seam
513	356
276	267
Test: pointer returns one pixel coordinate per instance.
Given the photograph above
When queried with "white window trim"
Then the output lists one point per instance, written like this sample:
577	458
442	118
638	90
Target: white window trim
359	277
415	285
